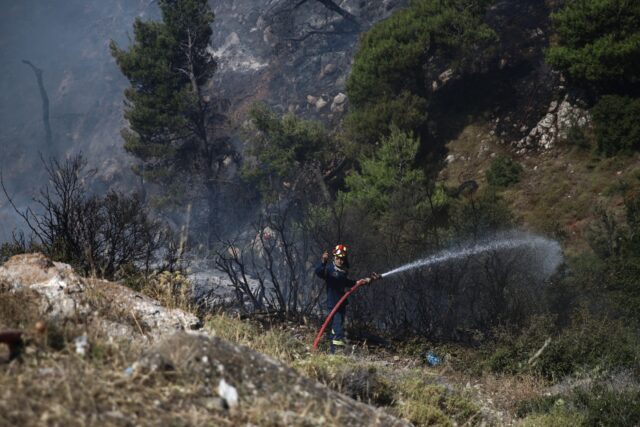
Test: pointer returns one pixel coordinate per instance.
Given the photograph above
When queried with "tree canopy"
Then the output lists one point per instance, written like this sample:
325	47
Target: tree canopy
389	82
171	122
599	41
291	154
174	128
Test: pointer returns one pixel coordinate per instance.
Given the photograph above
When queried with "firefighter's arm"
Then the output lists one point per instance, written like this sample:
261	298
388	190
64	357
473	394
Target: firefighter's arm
369	280
321	269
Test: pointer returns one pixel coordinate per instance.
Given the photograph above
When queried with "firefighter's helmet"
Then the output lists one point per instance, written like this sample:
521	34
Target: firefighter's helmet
340	251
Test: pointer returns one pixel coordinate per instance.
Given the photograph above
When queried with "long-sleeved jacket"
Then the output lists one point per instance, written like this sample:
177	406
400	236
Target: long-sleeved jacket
336	280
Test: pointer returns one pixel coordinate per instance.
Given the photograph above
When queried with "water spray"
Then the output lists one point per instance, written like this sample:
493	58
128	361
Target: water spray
551	247
552	257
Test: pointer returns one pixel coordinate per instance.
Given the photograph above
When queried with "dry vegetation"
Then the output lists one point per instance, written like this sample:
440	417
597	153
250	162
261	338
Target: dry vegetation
51	384
559	190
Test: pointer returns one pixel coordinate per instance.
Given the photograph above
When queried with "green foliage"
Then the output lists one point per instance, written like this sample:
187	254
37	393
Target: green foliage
405	111
598	405
589	342
424	403
578	136
393	192
480	215
503	172
606	406
167	65
286	150
617	247
388	174
389	81
599	40
616	124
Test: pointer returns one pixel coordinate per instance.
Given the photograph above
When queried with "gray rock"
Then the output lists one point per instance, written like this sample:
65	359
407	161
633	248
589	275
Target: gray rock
320	104
254	376
340	98
112	309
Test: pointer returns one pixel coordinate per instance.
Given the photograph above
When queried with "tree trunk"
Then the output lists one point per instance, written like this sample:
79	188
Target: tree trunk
45	106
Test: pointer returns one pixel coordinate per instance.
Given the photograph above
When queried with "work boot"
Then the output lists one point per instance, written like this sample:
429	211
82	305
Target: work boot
338	346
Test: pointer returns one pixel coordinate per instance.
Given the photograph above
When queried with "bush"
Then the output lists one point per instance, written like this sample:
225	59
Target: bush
503	172
97	235
597	405
616	124
599	41
390	63
604	406
588	342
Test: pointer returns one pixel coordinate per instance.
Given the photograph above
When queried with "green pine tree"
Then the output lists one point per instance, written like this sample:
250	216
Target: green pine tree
292	157
599	41
390	80
173	127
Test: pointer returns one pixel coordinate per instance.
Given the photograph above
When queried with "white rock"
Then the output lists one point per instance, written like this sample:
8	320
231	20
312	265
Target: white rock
320	104
445	76
340	98
228	393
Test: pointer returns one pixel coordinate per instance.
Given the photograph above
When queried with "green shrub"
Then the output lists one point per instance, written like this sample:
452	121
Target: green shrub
604	406
390	63
515	348
616	124
423	402
598	405
503	172
589	342
599	40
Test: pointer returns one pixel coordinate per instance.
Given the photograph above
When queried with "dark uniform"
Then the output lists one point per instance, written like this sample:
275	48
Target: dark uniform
337	284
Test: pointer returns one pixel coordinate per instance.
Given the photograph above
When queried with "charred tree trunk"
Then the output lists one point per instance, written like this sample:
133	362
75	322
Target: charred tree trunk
45	106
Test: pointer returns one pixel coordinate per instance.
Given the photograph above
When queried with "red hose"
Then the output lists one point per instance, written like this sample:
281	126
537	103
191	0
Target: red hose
336	308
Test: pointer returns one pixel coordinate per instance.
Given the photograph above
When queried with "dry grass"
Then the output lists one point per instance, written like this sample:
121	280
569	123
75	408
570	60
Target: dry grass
559	189
62	388
276	340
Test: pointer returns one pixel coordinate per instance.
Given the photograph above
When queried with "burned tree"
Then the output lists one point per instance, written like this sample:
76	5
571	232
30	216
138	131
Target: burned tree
45	105
99	235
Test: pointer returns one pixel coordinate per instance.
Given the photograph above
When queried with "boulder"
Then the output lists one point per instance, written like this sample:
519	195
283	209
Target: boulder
245	377
62	296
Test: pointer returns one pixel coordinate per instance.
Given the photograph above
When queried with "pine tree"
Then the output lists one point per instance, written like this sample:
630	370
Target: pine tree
173	127
599	41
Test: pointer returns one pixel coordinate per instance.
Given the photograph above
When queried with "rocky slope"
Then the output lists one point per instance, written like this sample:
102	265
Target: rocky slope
226	381
294	58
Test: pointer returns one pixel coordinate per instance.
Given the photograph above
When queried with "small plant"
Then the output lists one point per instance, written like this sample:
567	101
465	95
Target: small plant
503	172
616	124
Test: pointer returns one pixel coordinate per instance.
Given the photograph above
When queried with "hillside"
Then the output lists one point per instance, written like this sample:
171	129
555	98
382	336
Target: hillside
205	182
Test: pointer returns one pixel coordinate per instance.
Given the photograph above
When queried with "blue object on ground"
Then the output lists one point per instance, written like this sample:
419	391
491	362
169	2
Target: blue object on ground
432	359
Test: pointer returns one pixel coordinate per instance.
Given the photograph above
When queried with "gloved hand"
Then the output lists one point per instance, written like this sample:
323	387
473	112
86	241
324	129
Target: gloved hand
325	257
369	280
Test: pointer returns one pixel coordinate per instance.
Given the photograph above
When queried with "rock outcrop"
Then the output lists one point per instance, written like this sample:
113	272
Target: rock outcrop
229	381
555	126
246	377
113	310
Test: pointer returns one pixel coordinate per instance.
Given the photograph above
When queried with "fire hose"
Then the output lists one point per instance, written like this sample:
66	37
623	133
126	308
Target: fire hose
335	309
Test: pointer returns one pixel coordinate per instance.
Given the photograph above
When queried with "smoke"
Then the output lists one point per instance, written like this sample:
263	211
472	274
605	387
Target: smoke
68	41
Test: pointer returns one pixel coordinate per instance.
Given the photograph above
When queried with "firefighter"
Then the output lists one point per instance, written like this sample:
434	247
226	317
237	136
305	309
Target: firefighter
335	275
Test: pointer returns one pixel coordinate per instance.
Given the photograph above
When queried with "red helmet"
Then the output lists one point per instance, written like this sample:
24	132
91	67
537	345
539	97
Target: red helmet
340	251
